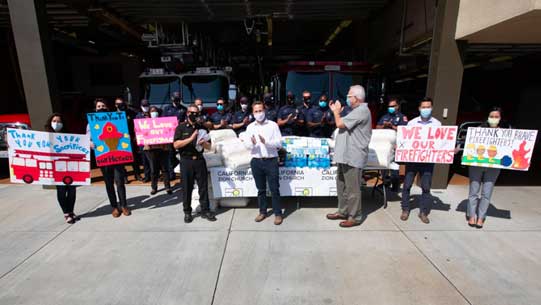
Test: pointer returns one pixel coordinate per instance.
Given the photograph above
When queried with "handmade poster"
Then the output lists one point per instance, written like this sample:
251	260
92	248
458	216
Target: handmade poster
499	148
425	144
293	182
48	158
152	131
111	138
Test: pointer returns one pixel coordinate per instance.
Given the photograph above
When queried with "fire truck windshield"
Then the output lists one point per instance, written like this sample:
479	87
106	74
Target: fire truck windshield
158	90
207	87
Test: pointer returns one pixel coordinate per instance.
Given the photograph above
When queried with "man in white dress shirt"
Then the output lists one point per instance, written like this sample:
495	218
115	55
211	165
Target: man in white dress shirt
264	139
425	170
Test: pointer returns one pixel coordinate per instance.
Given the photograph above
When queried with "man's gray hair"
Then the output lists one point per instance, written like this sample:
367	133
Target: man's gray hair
358	92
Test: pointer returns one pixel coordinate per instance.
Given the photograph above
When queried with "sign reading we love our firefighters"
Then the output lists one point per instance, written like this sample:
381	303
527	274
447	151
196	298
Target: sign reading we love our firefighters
499	148
152	131
426	144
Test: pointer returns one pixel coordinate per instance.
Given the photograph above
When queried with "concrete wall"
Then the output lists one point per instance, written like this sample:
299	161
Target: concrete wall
499	21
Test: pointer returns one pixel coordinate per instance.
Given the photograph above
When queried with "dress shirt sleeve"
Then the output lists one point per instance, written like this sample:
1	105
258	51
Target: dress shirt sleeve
276	138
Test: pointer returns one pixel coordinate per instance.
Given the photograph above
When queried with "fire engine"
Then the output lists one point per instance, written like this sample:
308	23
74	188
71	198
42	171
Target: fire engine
30	166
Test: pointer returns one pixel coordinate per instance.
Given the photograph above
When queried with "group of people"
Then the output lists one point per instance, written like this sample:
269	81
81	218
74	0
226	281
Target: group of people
263	128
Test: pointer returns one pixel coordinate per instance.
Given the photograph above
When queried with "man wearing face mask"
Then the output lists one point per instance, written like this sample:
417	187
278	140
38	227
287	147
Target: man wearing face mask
393	117
130	115
144	113
350	155
319	118
288	116
264	140
176	108
303	111
271	113
425	170
203	117
221	119
193	166
243	117
391	120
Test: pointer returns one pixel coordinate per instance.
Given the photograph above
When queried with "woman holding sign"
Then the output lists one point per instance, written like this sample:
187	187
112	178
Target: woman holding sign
158	154
65	194
483	179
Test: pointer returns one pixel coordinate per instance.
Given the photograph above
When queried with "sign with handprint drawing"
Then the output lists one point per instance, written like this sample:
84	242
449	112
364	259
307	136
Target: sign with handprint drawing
111	138
499	148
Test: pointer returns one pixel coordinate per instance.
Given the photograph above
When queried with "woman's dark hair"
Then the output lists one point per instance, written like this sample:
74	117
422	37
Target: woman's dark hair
158	109
100	100
496	108
48	126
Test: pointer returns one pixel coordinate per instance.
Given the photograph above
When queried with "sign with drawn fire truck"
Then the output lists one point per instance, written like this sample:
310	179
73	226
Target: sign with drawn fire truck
48	158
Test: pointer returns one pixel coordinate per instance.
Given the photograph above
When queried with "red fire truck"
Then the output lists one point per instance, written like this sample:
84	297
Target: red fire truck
30	166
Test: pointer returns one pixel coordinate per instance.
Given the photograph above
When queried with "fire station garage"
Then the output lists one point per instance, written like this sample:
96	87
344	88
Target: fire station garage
468	56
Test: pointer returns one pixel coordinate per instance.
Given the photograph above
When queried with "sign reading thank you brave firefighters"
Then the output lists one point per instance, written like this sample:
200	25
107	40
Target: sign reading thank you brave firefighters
499	148
111	138
48	158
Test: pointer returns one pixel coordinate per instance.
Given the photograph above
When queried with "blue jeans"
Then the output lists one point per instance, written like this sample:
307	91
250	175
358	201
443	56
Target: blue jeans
266	171
425	170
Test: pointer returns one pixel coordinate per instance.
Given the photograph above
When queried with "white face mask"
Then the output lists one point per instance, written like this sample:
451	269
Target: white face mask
145	109
153	114
57	126
493	122
200	107
243	107
260	117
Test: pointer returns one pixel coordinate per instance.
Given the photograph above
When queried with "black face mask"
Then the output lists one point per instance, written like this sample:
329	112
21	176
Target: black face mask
122	107
194	118
176	102
290	100
306	99
102	110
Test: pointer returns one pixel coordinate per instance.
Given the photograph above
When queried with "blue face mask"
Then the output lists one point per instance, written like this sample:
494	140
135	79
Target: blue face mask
391	110
220	107
426	112
348	101
322	104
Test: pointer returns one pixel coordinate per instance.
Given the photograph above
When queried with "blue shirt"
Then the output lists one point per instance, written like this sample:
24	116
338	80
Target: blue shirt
290	127
238	117
315	115
397	119
271	114
217	117
171	110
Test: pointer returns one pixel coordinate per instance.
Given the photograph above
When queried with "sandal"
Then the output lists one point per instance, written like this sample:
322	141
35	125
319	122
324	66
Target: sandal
69	219
75	217
472	222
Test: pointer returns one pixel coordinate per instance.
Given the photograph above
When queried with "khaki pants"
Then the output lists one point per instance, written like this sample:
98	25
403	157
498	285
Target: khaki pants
348	188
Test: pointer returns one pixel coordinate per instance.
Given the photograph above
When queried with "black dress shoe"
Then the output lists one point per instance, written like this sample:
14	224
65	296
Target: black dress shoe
169	191
146	180
208	216
188	218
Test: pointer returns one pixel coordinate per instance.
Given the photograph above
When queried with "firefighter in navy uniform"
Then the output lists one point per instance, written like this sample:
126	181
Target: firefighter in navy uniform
271	111
391	120
221	119
193	165
288	116
302	130
177	110
243	117
319	120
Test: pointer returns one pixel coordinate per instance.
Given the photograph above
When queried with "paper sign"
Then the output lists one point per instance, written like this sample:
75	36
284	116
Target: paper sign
499	148
155	130
293	182
426	144
109	132
48	158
